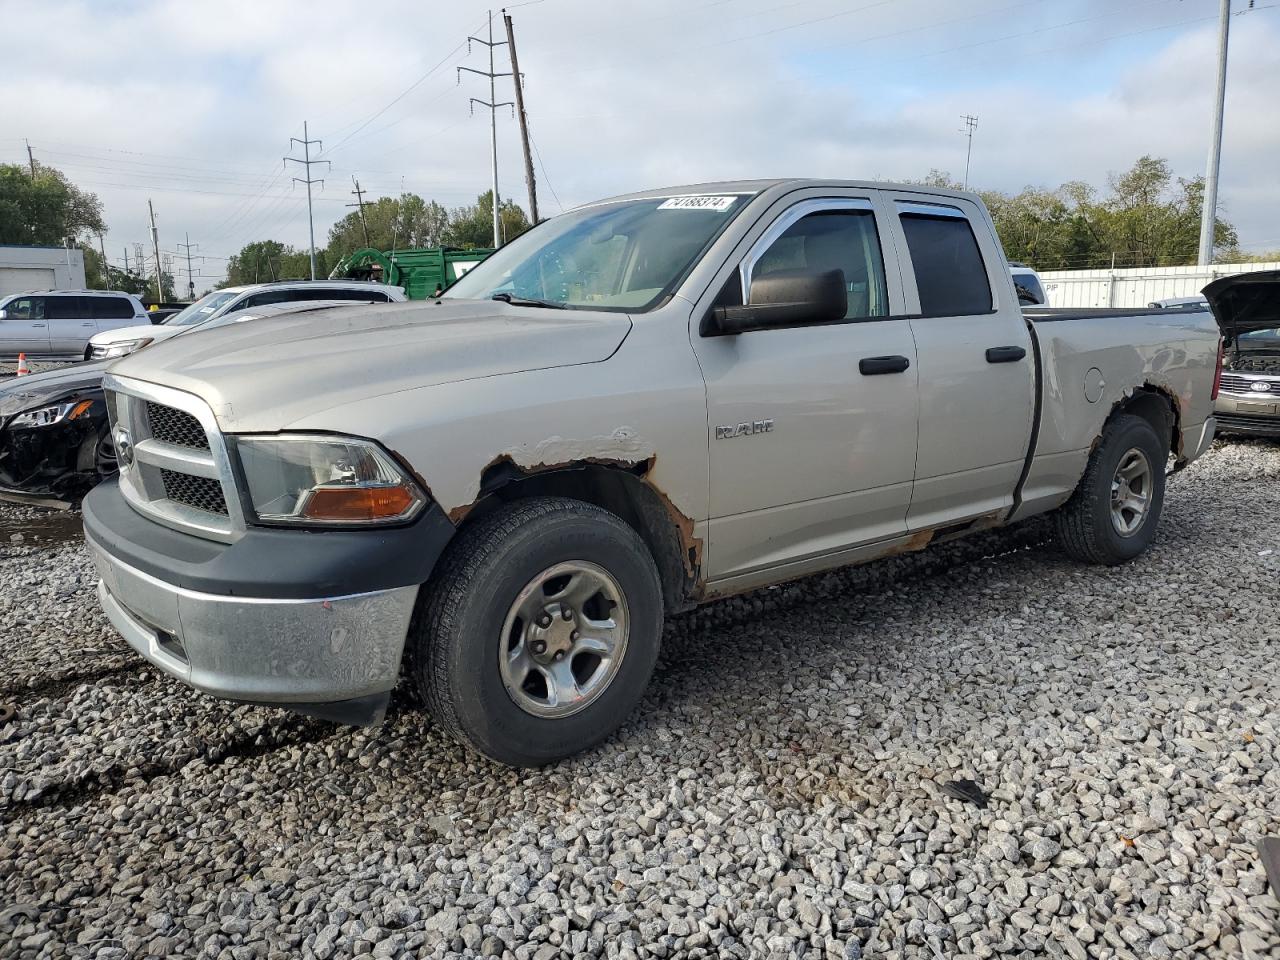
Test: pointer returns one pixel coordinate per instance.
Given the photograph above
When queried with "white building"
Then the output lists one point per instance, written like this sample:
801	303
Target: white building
1135	287
40	268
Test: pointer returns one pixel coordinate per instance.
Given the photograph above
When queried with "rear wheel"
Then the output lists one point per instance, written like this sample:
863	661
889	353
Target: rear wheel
1113	514
539	632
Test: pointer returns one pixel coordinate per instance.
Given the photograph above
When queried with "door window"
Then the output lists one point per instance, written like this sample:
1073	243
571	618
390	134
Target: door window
950	275
66	308
26	308
844	240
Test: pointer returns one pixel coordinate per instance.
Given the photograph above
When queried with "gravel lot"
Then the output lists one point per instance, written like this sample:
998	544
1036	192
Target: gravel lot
779	794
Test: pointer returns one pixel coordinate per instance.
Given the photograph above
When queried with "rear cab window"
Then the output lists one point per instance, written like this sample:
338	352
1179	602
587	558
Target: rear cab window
951	276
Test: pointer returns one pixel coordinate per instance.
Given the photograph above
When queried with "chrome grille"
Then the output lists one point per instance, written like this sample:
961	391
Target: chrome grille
176	427
199	493
178	472
1244	383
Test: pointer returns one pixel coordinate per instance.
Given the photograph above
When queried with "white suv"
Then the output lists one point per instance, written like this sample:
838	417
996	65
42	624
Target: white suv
220	303
57	324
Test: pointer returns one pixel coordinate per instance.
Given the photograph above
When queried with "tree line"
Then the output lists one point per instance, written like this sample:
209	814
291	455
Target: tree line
1145	216
388	223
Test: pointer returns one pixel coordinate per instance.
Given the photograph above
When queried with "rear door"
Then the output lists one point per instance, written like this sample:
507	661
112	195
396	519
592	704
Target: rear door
71	324
975	361
24	328
809	453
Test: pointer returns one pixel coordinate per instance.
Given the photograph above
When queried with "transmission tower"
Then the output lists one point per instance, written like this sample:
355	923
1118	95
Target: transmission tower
307	162
493	106
970	125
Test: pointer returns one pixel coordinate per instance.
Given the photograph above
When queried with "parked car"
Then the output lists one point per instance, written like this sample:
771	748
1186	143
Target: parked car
219	303
1197	302
1026	282
1249	400
632	408
58	324
55	441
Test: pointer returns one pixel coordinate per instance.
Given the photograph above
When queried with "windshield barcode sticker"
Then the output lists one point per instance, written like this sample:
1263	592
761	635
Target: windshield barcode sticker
715	204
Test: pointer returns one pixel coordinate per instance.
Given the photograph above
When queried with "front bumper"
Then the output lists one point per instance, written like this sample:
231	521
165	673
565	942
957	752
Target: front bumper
1256	414
269	640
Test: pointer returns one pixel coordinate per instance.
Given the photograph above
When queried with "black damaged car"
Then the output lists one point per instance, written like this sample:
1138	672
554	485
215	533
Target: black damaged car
55	443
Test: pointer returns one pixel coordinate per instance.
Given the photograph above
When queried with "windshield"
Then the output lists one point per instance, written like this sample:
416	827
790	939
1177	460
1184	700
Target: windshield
1260	339
613	256
202	309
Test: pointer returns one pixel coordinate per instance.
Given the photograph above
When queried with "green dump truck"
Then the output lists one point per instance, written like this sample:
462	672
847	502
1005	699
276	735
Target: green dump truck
423	273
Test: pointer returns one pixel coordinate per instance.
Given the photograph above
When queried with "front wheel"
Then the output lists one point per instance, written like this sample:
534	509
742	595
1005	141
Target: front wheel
1113	514
539	632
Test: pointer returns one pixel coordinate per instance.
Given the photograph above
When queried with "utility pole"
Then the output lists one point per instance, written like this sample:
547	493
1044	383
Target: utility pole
493	106
970	124
307	162
360	203
191	286
30	158
126	259
518	79
106	268
155	244
1209	214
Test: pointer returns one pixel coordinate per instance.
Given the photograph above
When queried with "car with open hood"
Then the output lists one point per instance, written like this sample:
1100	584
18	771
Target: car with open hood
1248	305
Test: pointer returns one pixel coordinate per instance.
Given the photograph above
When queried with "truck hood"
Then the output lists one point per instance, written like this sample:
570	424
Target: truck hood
1245	302
266	375
39	389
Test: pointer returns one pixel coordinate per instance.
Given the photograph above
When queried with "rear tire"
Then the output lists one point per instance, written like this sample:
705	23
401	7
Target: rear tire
1113	514
497	678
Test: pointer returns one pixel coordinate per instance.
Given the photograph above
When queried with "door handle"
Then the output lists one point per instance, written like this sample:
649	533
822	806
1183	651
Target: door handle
873	366
1005	354
37	324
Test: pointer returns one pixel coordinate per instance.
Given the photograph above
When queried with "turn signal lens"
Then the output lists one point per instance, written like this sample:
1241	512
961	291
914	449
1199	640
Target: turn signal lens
358	503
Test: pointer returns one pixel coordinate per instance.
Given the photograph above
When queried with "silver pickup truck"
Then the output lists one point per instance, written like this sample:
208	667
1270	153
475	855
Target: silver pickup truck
637	406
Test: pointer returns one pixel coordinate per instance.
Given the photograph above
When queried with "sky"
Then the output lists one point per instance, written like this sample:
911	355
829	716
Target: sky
193	105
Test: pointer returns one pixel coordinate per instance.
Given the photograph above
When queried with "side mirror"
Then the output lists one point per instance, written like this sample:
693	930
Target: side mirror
787	297
4	314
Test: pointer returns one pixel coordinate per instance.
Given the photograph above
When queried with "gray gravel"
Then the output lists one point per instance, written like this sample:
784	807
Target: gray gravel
779	794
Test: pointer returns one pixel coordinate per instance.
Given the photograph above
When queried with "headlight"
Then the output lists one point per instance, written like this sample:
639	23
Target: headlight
121	348
54	413
325	480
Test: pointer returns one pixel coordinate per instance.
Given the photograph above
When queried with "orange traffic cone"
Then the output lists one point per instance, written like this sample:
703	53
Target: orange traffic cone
22	365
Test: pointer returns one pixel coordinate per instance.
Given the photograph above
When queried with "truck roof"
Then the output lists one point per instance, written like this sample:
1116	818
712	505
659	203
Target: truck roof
780	186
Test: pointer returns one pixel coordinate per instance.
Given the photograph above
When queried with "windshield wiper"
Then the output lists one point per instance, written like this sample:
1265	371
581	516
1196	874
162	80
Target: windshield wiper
526	301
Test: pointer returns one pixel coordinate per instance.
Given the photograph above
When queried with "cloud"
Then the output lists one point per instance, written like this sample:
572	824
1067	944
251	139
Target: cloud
193	105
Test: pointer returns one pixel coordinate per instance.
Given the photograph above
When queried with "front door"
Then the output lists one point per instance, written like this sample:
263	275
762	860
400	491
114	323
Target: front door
812	426
24	328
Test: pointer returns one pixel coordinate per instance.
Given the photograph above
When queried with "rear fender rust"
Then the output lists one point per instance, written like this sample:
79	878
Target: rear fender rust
1148	388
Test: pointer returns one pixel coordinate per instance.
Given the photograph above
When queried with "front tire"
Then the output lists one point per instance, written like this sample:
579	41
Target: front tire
1113	514
539	632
